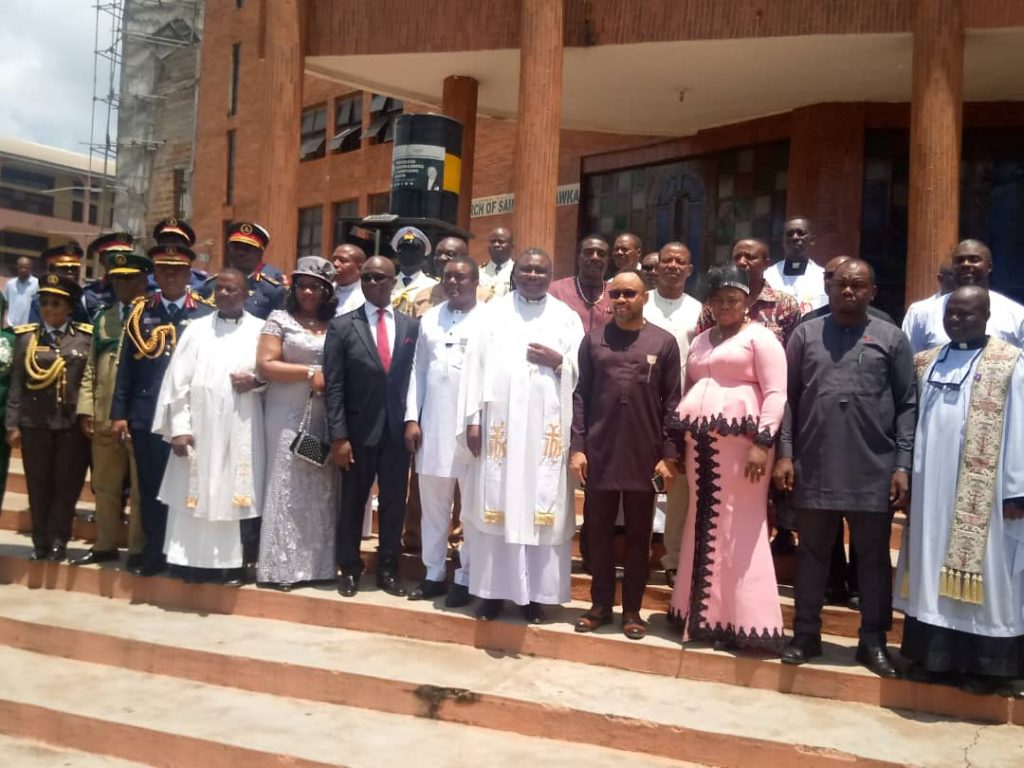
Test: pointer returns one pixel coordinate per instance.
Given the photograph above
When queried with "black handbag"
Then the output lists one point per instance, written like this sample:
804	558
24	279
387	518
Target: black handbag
306	445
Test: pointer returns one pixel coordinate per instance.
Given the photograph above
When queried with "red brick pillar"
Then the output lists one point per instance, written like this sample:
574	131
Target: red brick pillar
826	175
936	124
283	112
459	101
539	118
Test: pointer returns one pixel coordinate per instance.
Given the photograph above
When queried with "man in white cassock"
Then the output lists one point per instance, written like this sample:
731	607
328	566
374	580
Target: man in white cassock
211	413
431	426
960	579
972	265
515	404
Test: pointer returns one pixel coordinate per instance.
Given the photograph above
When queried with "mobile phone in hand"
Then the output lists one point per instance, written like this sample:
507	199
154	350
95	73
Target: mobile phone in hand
659	483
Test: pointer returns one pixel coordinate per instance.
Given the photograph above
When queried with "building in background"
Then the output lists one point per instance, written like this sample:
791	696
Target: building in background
49	196
157	57
895	127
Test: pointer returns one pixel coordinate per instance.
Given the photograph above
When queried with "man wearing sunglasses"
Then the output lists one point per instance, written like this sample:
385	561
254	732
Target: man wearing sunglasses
368	357
628	390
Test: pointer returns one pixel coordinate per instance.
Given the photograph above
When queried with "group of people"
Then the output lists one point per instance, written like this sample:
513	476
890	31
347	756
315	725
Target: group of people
254	415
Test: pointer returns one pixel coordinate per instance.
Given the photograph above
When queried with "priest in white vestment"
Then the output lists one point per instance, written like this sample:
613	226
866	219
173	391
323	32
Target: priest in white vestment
211	411
797	273
960	579
515	404
972	265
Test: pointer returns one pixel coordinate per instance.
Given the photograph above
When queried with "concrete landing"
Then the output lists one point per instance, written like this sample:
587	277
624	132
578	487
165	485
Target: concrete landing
23	753
173	723
641	713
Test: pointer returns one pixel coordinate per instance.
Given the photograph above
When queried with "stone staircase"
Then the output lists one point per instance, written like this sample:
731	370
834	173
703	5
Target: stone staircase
122	670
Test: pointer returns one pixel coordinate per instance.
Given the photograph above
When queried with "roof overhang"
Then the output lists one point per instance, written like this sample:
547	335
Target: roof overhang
677	88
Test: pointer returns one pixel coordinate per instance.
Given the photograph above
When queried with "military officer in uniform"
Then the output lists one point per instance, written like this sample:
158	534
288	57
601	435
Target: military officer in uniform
98	294
49	362
112	459
63	260
411	294
268	287
174	231
151	332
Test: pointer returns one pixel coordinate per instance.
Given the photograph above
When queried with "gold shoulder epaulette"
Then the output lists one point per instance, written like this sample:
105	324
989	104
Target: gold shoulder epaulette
83	327
137	299
269	279
204	300
26	328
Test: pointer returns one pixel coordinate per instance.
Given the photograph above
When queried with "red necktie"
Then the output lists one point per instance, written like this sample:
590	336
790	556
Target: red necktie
383	345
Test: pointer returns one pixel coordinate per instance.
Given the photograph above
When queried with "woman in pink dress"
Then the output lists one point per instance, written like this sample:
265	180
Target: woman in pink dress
725	591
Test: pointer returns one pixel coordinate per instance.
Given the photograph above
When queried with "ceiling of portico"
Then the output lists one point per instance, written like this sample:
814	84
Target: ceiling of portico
636	88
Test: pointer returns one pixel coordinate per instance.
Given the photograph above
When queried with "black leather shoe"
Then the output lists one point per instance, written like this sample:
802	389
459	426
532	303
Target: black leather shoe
96	556
390	583
133	562
670	576
489	610
801	650
39	553
854	602
428	590
458	596
152	567
278	586
876	658
534	613
348	584
232	577
57	553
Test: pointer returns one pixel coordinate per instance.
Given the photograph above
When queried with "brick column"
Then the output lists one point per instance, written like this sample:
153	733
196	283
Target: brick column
283	112
936	124
539	118
459	101
826	175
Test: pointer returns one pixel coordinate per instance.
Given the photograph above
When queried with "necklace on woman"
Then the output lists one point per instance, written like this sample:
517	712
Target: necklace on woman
308	323
583	296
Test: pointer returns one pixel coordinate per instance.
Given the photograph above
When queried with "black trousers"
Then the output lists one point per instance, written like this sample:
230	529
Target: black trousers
151	454
56	461
600	512
869	533
388	461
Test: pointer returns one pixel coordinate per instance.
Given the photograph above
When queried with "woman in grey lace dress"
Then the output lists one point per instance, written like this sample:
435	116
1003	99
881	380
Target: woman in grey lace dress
300	499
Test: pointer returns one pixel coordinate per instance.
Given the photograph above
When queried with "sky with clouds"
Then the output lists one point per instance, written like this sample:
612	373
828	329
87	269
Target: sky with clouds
46	71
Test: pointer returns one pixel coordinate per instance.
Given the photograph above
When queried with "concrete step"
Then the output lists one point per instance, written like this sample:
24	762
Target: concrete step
835	676
26	753
675	719
175	722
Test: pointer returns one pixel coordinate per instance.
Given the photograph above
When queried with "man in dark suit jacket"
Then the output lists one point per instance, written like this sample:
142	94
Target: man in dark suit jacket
368	357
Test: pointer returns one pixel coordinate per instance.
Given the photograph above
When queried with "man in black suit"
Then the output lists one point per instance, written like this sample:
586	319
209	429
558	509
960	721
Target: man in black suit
367	362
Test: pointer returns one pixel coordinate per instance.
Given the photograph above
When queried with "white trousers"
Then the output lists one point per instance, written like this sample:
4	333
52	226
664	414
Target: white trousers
437	495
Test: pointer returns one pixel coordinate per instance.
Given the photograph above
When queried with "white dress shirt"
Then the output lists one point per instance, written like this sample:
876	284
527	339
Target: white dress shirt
389	323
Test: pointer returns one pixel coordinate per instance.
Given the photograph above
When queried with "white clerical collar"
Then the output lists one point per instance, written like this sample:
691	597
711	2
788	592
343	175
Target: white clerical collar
50	329
346	289
533	302
972	344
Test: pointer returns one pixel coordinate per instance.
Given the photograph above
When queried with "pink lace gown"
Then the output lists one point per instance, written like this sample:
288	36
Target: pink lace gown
725	588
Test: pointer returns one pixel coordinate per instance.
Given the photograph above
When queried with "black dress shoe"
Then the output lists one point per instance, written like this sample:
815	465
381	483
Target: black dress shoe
390	583
876	658
133	562
39	553
670	576
854	602
458	596
348	584
150	567
57	553
428	590
534	613
489	610
232	577
96	556
801	650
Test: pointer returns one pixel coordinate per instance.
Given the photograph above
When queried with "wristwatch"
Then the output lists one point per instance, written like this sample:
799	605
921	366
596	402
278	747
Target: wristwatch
310	372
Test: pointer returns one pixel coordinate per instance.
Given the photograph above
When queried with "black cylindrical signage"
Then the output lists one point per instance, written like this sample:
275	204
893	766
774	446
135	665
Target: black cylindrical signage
426	167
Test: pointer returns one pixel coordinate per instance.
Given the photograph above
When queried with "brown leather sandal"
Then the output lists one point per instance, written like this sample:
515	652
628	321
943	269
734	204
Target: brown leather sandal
634	627
590	621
